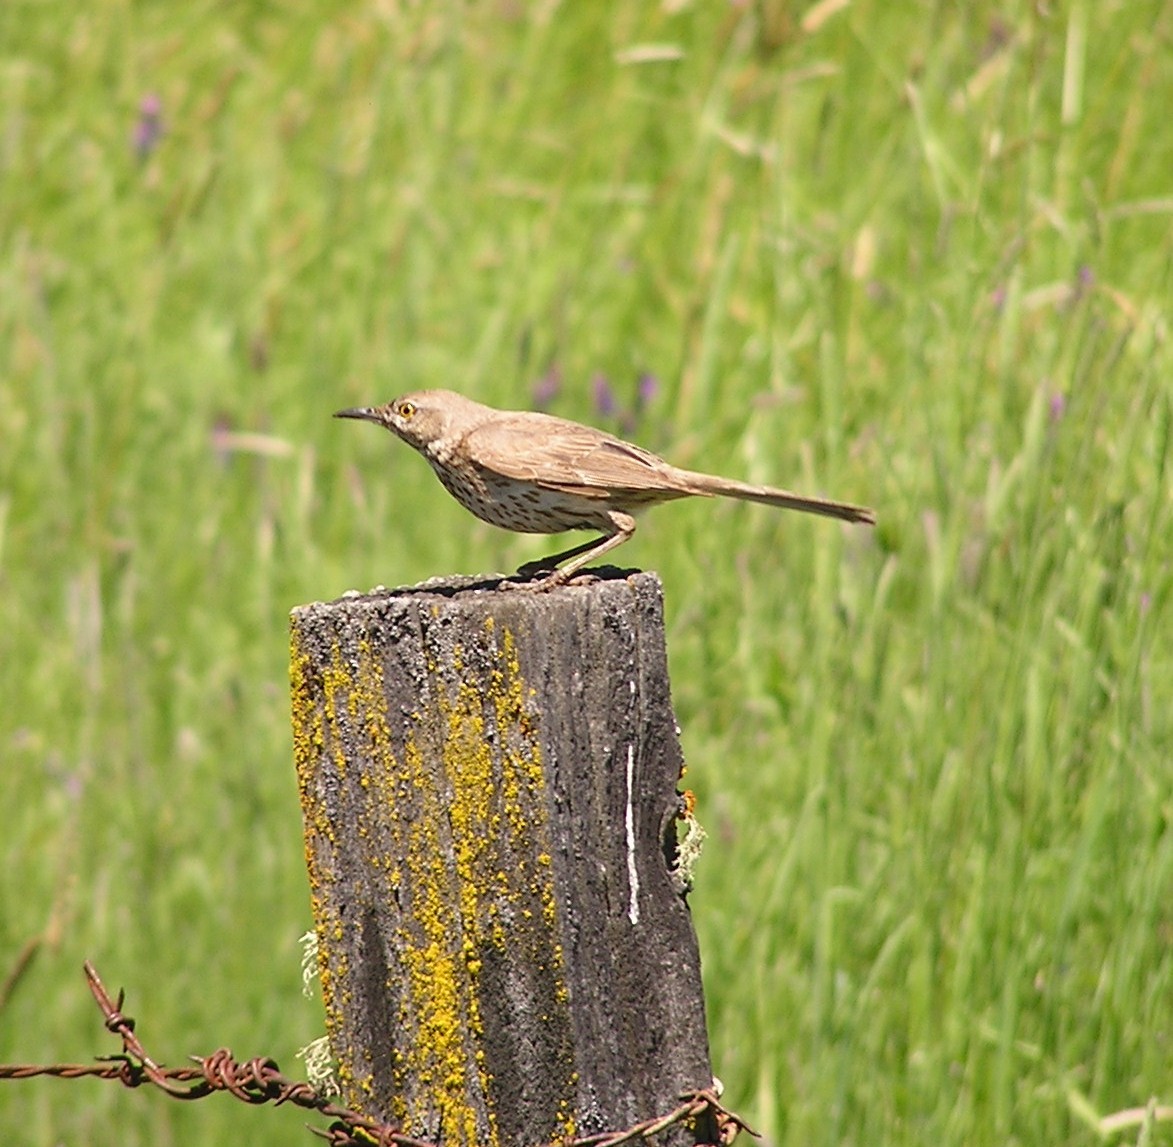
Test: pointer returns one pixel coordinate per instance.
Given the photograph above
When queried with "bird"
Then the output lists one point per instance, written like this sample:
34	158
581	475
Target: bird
535	473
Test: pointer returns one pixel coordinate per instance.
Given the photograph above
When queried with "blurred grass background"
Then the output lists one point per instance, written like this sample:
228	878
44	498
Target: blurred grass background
917	256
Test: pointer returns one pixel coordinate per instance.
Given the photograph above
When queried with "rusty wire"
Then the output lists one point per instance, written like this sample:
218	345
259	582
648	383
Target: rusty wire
259	1080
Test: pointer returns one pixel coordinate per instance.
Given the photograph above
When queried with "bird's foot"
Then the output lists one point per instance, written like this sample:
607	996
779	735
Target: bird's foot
539	577
532	577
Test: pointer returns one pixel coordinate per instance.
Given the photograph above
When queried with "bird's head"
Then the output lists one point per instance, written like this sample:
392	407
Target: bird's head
420	419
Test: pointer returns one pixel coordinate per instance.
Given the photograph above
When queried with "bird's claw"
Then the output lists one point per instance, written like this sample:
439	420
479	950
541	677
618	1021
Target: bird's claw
540	577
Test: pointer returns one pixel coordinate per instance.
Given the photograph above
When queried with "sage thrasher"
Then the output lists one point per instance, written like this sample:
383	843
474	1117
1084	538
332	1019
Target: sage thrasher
537	474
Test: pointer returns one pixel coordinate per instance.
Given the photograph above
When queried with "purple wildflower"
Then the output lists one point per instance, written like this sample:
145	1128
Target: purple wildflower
547	388
149	129
604	397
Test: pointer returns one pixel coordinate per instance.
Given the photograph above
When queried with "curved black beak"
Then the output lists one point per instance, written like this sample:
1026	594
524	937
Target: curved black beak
366	413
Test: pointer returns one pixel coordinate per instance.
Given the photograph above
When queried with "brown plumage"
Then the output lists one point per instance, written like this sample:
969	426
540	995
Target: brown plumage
538	474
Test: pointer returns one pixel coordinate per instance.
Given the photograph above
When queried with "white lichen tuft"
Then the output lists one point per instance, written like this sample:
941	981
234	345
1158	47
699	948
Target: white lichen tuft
309	962
319	1067
688	850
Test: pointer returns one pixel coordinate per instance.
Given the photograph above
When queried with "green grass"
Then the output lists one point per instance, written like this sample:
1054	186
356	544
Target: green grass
896	257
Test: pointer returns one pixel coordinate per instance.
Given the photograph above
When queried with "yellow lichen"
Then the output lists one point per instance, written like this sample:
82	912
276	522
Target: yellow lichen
468	851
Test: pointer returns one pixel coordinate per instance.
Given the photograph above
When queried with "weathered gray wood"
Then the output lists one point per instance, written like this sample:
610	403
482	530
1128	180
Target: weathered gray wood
488	780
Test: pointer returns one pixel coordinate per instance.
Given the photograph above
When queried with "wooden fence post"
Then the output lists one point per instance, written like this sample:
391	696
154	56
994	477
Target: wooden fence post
488	782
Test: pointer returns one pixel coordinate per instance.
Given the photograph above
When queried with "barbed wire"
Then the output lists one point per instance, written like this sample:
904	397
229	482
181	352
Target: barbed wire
259	1080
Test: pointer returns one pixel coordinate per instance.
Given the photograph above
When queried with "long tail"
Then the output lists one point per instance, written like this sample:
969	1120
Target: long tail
710	484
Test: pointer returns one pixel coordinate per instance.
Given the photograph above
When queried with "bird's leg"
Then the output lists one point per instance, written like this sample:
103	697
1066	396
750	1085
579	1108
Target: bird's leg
623	526
544	565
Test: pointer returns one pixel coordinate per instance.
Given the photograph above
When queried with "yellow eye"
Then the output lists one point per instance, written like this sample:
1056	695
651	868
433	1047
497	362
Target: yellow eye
406	409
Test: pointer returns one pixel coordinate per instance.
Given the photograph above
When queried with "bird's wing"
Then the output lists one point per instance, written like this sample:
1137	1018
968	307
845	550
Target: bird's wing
556	454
